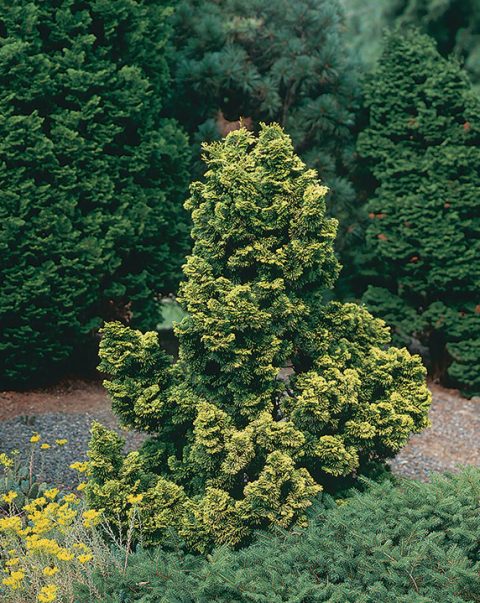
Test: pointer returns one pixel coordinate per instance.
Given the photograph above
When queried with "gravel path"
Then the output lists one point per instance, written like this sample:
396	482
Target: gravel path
452	441
53	464
67	411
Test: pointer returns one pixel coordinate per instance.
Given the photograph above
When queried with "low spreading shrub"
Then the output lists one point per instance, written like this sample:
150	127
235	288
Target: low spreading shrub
410	543
406	541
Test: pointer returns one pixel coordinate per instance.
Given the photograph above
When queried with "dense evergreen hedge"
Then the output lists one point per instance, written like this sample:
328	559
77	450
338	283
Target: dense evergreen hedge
411	543
92	179
421	145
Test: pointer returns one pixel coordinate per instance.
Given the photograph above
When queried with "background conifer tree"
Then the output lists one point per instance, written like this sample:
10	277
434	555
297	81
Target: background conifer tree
454	25
276	61
422	147
91	223
276	393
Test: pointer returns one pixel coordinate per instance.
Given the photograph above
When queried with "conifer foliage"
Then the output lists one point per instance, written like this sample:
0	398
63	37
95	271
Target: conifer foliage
92	179
411	543
275	391
276	61
453	24
422	147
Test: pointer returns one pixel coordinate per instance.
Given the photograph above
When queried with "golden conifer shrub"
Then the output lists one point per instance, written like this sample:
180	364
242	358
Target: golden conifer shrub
277	392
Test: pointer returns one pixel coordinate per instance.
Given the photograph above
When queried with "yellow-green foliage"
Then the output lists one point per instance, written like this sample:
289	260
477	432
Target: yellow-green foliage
276	392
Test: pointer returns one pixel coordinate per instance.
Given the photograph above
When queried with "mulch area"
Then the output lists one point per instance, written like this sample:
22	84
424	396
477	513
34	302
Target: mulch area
68	409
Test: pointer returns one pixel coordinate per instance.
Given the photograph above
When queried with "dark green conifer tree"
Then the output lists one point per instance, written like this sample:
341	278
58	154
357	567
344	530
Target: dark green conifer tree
276	393
454	24
421	146
276	61
91	178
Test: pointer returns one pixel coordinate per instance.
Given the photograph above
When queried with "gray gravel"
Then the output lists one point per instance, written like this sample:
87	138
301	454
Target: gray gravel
53	465
452	441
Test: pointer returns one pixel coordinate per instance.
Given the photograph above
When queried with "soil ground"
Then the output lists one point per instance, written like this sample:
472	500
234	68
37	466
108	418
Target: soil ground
75	396
68	409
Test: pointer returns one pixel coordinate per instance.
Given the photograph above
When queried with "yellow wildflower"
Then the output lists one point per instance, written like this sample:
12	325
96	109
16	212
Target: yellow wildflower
13	561
134	499
80	467
82	546
64	555
30	507
81	486
45	446
66	515
10	523
14	579
37	502
85	558
47	593
42	526
5	460
70	498
41	521
50	570
9	497
52	493
24	531
35	438
44	545
91	518
61	442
